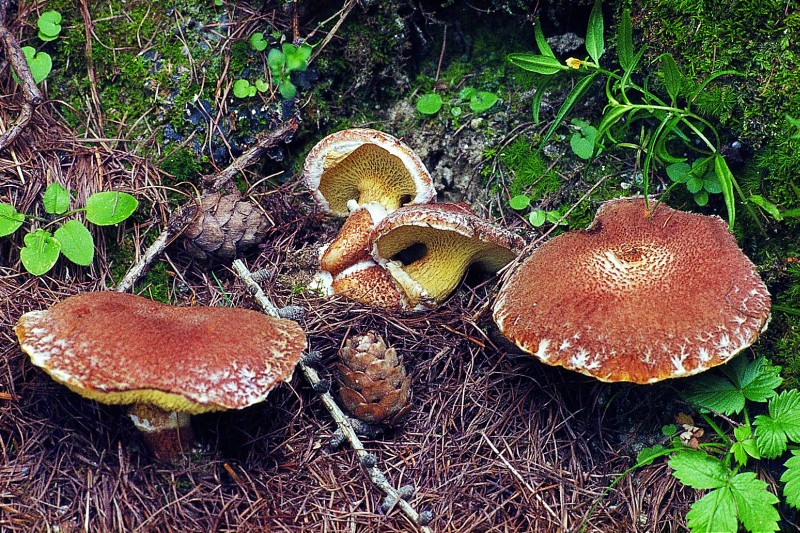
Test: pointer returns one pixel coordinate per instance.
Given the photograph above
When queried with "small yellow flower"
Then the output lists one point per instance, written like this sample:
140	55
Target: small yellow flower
574	62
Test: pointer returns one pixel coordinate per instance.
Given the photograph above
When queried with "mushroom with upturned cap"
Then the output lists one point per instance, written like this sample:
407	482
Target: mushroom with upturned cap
428	248
365	165
638	296
168	362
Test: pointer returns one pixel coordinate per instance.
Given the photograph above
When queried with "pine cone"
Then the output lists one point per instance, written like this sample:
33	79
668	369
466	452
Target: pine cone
373	383
226	226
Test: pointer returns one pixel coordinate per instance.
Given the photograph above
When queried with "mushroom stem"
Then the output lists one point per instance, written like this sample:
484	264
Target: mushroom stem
342	421
168	434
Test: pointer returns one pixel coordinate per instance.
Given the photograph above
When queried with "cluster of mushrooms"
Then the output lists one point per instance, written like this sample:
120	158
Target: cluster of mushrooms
398	248
645	293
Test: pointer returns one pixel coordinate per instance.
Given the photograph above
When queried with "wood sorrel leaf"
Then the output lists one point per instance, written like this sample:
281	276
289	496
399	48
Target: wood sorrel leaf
77	243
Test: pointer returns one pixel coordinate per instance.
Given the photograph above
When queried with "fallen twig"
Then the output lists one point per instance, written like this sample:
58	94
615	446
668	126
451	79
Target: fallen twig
366	459
33	95
182	216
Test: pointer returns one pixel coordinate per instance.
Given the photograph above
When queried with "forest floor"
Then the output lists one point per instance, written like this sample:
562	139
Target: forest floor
142	99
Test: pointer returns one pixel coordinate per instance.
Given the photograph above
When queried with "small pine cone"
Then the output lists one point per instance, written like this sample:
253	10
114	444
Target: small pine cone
373	383
225	226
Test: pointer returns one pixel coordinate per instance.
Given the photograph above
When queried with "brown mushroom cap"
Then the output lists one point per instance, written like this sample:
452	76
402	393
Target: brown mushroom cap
351	245
635	297
367	166
370	284
120	348
429	247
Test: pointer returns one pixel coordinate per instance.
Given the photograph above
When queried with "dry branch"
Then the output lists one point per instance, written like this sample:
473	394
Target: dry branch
33	95
342	421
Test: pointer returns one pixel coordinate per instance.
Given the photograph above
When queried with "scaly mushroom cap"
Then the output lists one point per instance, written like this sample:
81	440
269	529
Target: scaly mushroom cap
429	247
351	245
367	166
635	297
120	348
370	284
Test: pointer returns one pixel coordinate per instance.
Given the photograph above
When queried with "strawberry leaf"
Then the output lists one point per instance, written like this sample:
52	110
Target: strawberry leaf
791	491
699	470
756	505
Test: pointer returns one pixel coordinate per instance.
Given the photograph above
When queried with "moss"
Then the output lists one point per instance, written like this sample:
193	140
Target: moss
529	172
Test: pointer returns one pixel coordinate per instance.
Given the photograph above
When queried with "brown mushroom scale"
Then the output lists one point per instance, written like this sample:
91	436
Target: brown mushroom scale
369	174
635	297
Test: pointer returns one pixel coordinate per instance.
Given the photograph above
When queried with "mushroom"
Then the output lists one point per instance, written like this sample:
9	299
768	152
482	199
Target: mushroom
638	296
366	166
351	245
365	282
429	247
168	362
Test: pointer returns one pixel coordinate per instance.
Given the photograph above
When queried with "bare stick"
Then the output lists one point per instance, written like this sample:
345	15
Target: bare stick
264	141
342	421
33	95
137	270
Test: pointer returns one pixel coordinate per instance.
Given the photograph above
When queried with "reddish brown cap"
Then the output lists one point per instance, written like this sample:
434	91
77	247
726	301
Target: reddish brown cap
635	297
429	247
366	166
370	284
351	245
120	348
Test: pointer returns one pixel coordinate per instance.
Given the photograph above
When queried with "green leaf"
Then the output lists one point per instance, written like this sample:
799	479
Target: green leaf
595	43
287	89
541	42
77	243
673	79
625	41
726	179
752	380
701	198
539	64
711	184
745	445
262	86
429	104
10	219
791	491
241	88
276	61
647	455
110	207
694	184
714	513
756	505
766	205
699	470
679	172
537	217
456	111
40	252
519	202
40	63
582	142
782	423
56	199
714	392
482	101
49	25
574	95
258	42
296	58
